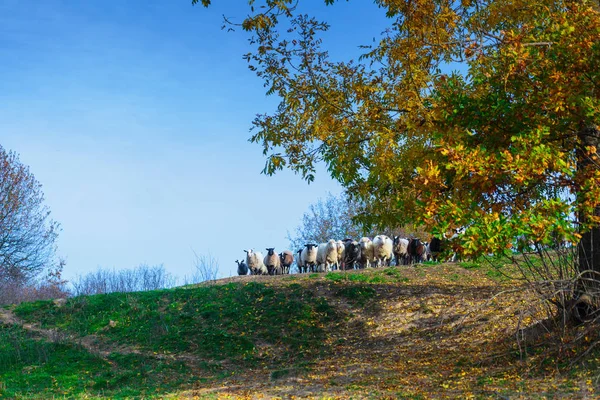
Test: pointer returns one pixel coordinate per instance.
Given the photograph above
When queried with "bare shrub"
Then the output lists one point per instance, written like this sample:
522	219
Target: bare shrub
562	314
49	286
206	268
327	219
141	278
550	270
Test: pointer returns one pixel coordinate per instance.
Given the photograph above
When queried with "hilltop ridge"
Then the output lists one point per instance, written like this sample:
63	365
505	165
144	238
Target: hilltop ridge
428	331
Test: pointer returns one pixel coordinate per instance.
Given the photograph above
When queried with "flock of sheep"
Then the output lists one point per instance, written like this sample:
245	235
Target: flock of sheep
341	254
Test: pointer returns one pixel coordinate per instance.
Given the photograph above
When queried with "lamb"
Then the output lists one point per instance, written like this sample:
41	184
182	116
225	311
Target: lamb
366	252
309	257
340	254
286	259
255	263
351	254
242	267
272	262
383	248
400	250
327	255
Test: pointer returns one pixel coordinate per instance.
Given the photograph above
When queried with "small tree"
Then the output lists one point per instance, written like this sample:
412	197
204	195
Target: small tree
326	219
206	268
338	217
27	233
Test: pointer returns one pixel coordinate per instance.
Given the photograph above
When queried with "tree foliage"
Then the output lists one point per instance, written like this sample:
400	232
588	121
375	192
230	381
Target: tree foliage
27	233
474	114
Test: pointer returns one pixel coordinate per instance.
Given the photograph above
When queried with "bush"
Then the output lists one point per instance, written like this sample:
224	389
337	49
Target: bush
139	279
50	286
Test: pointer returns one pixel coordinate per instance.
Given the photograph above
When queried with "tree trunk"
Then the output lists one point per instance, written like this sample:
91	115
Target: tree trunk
589	259
587	291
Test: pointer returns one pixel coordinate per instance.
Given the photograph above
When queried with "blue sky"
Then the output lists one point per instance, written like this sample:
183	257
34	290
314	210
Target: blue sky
135	115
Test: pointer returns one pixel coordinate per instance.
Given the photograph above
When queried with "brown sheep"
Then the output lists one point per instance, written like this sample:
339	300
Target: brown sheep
272	262
287	259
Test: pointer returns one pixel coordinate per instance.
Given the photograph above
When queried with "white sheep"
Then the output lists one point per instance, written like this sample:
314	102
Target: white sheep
272	262
308	257
341	248
367	257
255	262
383	248
401	250
327	255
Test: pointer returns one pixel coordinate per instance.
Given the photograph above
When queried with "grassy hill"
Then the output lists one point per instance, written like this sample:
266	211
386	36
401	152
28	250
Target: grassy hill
431	331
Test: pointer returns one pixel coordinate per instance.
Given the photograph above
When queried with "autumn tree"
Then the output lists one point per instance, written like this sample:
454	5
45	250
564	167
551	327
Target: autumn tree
27	233
472	114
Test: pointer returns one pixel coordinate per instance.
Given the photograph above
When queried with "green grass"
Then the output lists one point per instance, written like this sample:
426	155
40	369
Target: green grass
379	275
220	322
497	270
31	368
358	294
469	265
246	324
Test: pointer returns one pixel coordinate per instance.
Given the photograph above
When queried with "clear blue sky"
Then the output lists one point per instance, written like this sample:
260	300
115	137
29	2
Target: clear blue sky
134	116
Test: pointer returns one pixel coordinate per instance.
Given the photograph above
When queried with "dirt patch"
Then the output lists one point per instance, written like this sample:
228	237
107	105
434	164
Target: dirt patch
7	317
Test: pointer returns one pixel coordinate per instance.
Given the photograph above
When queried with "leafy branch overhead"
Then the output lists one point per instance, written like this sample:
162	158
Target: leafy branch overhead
504	144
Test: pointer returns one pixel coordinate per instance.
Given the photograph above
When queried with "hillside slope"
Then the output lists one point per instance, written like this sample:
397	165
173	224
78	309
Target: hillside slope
431	331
